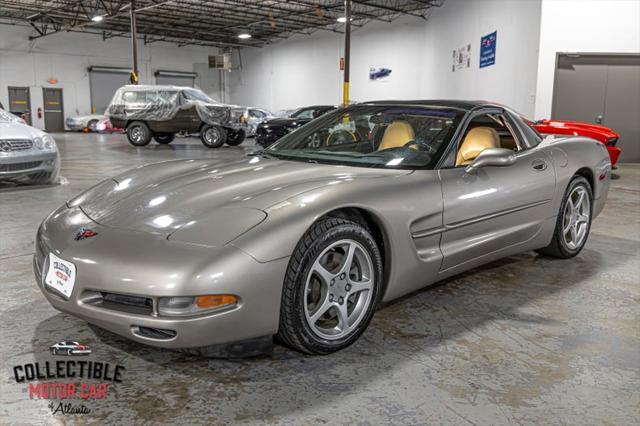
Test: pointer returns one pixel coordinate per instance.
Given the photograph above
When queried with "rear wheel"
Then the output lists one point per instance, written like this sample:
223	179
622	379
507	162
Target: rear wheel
331	287
574	221
164	138
213	136
91	125
235	137
138	133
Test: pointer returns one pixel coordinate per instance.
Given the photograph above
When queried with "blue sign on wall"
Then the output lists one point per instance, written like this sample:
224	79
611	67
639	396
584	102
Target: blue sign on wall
488	49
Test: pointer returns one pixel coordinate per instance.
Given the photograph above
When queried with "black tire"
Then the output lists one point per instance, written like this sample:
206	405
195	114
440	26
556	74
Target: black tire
164	138
294	330
559	247
138	133
91	125
213	136
69	352
235	137
54	351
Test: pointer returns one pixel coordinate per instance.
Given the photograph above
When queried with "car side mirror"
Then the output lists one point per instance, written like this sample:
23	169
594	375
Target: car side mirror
492	157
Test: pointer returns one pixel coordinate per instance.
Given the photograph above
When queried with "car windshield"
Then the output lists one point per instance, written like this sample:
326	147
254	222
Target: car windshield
304	113
391	136
197	95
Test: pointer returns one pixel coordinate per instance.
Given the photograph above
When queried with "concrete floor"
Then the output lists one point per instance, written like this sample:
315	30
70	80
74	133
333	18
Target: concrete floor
525	340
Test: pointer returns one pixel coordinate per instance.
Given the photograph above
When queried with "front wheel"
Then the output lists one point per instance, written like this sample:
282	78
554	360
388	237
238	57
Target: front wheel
235	137
213	136
331	287
138	133
574	221
164	138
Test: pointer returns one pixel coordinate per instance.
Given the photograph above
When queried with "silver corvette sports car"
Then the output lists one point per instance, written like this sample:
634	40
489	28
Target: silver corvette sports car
304	239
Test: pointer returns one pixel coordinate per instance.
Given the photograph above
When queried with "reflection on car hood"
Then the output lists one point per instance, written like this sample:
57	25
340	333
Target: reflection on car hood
163	197
18	131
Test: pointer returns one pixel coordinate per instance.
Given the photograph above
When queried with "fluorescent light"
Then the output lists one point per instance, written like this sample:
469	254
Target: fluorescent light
97	18
244	36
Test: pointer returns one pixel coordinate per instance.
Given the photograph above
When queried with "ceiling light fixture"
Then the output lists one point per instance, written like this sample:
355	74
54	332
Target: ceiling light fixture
97	18
244	36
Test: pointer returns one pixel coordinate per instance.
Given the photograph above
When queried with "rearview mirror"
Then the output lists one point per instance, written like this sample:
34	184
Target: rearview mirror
492	157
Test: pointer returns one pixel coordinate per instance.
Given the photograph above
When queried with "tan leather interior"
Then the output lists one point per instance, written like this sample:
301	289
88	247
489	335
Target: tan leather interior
396	135
477	140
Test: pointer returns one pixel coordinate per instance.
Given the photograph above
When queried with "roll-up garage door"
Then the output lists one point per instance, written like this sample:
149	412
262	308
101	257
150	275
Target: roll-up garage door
176	78
104	82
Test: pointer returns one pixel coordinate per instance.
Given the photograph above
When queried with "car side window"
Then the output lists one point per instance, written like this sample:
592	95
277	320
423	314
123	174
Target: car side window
255	113
489	130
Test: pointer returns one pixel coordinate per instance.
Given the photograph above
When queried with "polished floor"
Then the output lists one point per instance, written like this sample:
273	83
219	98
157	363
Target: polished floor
525	340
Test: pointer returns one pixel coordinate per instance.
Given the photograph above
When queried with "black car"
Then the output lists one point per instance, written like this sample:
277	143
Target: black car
271	130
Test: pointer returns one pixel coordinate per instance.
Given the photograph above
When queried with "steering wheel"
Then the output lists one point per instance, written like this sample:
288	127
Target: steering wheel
341	136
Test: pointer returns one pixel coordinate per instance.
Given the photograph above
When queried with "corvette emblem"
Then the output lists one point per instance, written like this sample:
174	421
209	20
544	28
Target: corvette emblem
84	233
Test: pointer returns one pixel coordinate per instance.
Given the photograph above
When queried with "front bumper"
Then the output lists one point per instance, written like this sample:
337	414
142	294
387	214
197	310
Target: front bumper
145	265
28	162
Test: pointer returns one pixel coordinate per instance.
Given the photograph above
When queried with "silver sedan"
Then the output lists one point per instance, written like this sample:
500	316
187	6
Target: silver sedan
304	239
26	154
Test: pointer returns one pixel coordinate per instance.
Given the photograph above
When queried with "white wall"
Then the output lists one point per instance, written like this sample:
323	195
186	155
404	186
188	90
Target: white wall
304	70
594	26
67	56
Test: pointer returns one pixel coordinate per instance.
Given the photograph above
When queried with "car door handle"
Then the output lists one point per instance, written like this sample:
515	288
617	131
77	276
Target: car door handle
539	165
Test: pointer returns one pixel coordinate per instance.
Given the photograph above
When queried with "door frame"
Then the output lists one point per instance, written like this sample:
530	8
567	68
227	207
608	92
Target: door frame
554	97
30	120
44	109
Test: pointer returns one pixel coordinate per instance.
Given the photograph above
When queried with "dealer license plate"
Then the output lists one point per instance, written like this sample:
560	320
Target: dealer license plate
61	275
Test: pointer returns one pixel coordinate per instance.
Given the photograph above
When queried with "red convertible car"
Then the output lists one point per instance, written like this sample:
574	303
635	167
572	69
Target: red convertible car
594	131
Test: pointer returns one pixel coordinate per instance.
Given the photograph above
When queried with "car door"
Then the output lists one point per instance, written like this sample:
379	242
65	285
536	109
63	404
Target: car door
495	211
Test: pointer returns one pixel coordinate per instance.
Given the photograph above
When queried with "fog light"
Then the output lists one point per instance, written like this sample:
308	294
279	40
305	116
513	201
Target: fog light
194	305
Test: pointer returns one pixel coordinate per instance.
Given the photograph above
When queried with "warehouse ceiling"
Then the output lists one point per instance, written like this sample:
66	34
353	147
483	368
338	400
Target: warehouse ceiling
201	22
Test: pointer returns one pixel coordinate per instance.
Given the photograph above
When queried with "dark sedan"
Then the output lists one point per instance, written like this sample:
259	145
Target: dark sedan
271	130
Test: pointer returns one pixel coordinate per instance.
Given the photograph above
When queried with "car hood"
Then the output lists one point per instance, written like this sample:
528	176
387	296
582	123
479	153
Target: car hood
164	197
286	122
10	130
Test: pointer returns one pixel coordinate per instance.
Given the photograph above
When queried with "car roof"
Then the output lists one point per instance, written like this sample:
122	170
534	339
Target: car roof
449	103
157	87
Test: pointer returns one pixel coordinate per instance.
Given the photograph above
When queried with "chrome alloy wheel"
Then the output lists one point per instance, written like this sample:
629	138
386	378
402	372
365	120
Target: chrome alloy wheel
137	134
338	289
212	135
577	213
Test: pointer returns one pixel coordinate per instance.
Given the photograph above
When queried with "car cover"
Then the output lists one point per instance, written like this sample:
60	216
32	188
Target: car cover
162	103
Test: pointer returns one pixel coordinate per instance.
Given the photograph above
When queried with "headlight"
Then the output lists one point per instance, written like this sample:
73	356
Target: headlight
45	142
194	305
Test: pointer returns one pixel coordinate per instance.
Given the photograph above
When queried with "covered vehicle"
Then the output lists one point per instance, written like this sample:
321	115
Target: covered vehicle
84	122
271	130
595	131
253	117
159	112
27	155
304	240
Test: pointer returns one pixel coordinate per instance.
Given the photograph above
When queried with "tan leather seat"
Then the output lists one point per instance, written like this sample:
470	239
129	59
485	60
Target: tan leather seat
396	135
477	140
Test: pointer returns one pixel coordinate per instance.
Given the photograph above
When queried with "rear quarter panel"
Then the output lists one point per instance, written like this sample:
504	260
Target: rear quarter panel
580	155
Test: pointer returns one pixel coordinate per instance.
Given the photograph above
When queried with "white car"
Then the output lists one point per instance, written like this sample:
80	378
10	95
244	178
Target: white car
26	154
81	122
69	347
